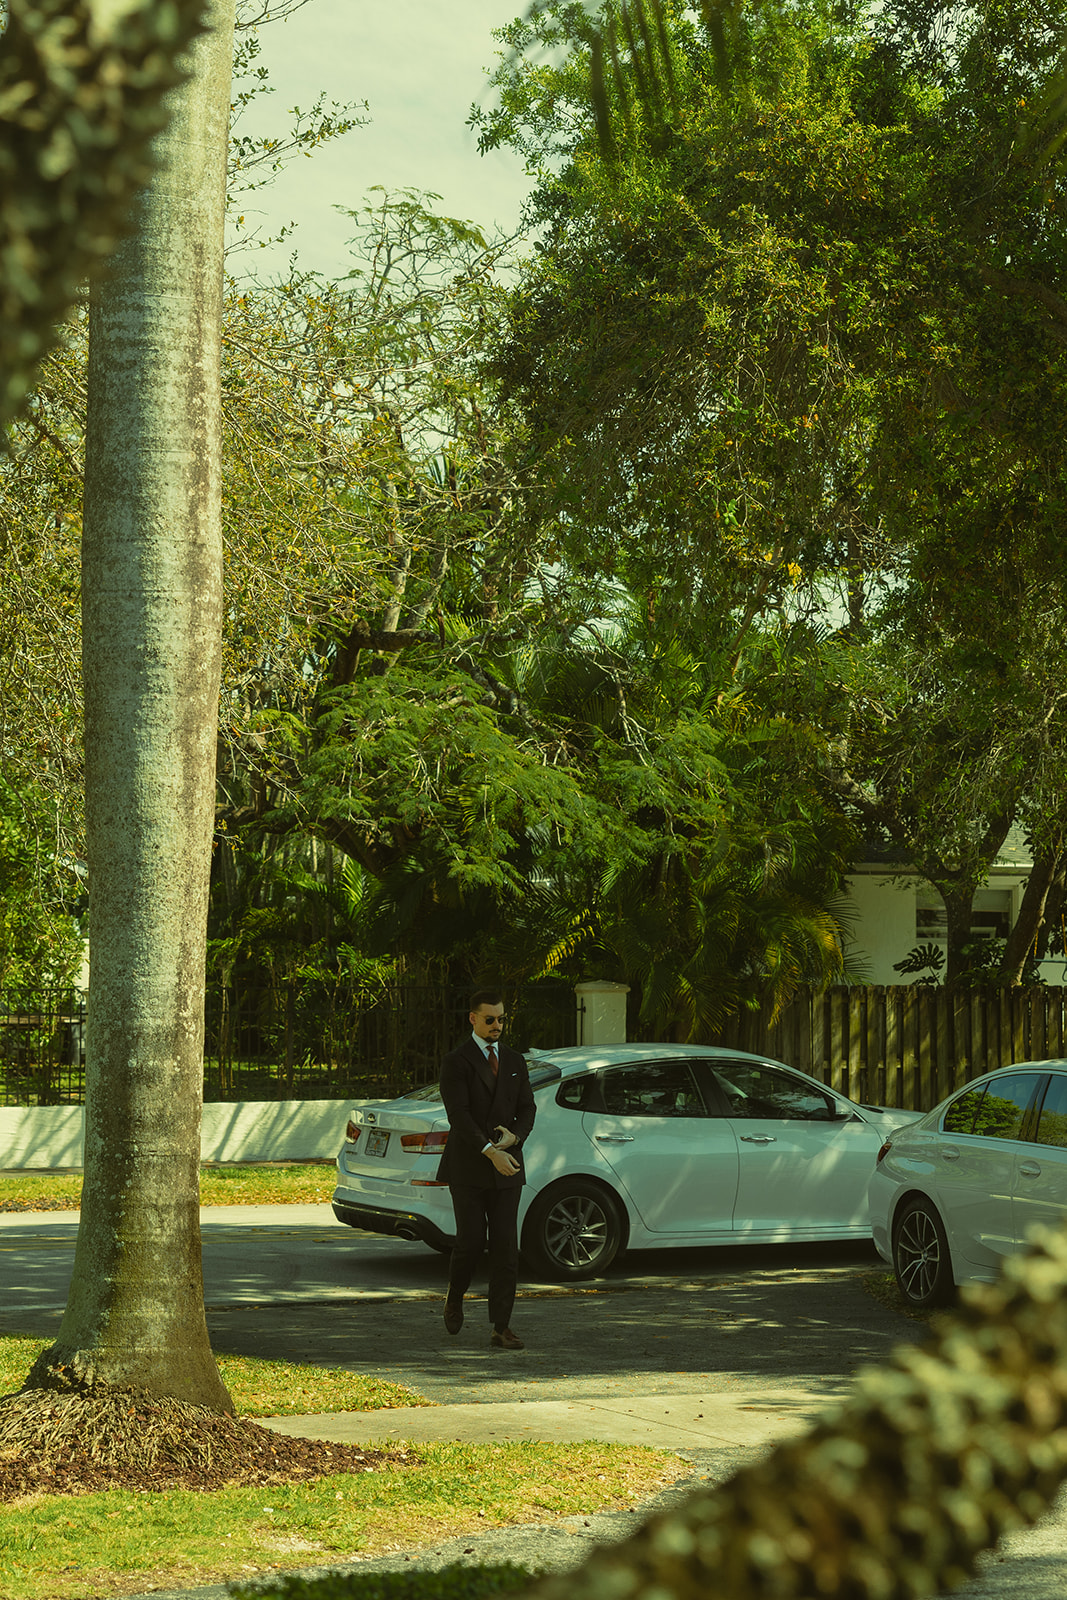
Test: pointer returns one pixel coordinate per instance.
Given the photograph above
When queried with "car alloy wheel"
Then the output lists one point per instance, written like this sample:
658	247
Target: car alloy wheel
573	1230
921	1257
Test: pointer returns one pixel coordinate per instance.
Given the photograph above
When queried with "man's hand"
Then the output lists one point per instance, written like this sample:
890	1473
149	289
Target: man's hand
506	1165
507	1138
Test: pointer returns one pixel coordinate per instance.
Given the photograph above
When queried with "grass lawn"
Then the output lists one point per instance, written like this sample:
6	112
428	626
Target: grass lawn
80	1547
264	1185
69	1547
258	1388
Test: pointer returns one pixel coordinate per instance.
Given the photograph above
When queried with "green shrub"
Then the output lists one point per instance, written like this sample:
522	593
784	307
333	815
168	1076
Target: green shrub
457	1582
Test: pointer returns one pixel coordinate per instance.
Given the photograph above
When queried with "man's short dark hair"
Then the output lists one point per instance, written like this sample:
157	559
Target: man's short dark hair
486	997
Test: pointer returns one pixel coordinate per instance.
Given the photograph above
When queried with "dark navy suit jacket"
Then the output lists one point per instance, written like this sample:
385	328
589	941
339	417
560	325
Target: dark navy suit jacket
476	1103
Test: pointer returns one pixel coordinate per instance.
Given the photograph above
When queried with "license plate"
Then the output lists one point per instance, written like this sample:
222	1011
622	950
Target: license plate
377	1142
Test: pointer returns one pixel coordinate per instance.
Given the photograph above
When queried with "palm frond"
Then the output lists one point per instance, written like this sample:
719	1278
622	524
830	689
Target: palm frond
632	57
1044	124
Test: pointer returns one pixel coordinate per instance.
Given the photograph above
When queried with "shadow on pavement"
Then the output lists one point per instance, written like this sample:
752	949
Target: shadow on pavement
724	1318
588	1342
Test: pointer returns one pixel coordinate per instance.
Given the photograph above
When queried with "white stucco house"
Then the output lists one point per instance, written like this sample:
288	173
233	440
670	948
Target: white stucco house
891	910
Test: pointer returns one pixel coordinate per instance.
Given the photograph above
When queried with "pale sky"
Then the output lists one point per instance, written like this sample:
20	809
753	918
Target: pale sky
420	64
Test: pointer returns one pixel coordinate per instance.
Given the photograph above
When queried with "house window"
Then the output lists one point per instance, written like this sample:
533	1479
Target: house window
931	921
990	915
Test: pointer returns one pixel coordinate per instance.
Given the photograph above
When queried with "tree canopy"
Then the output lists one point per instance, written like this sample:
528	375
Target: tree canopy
787	356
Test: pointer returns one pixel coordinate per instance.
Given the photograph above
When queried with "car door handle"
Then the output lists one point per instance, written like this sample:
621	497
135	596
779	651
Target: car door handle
950	1153
1029	1169
758	1138
614	1138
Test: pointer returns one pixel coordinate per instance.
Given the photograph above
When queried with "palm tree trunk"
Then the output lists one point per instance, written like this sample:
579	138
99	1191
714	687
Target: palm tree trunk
152	609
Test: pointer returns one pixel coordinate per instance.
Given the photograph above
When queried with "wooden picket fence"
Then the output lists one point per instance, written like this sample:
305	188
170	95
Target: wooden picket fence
906	1046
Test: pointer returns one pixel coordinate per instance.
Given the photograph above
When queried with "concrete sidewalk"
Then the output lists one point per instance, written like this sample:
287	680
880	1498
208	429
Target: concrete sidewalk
697	1421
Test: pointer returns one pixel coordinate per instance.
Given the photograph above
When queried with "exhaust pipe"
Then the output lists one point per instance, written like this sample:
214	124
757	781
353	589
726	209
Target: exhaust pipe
406	1233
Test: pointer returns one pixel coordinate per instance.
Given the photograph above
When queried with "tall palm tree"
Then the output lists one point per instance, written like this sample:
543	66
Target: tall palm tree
152	612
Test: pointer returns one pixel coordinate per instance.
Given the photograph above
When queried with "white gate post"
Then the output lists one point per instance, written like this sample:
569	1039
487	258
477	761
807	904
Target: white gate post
601	1012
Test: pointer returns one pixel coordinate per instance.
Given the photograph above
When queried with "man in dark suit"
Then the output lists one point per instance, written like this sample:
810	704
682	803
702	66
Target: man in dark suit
490	1106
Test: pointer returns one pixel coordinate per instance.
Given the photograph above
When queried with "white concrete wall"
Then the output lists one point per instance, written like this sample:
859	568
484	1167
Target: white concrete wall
274	1130
41	1136
880	926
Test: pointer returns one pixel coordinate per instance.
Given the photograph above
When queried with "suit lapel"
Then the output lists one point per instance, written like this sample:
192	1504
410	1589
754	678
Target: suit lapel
481	1066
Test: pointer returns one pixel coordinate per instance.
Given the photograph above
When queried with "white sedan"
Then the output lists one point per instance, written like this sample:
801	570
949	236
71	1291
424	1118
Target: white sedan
955	1193
641	1146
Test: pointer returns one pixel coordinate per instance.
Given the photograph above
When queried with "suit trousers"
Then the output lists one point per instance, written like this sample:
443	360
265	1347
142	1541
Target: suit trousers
482	1215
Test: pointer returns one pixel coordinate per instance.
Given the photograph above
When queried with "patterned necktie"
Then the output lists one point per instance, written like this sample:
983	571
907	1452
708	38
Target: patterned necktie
494	1068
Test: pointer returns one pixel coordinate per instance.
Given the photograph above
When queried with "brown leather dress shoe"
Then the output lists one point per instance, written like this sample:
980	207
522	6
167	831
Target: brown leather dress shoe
453	1317
504	1339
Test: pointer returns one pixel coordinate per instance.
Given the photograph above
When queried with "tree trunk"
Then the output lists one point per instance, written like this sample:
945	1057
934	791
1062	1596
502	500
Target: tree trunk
958	903
1052	943
1025	935
152	610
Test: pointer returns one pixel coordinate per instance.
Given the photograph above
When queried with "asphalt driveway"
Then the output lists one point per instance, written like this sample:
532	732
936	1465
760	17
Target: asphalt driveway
289	1281
753	1328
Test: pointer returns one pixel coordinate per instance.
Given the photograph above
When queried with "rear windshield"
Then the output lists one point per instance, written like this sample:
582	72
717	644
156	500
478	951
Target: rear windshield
539	1076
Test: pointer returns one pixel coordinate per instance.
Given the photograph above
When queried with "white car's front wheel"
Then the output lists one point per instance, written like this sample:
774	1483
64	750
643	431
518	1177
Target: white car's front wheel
921	1257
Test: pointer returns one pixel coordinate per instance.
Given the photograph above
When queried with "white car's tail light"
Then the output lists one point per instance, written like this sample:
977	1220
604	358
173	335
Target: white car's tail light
352	1131
424	1143
884	1151
428	1144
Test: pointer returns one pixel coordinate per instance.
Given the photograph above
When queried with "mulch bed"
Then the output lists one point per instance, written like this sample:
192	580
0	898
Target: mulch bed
69	1204
56	1443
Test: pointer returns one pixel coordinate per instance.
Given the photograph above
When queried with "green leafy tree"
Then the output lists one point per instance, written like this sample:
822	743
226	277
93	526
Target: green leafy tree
693	343
41	505
592	818
773	365
968	639
41	943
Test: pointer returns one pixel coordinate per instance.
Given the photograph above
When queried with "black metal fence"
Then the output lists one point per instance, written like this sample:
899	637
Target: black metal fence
42	1048
309	1041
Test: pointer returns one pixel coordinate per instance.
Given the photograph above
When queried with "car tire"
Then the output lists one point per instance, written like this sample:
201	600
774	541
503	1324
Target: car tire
573	1230
921	1258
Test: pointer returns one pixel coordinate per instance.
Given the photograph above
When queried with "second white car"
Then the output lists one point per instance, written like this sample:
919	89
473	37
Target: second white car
955	1193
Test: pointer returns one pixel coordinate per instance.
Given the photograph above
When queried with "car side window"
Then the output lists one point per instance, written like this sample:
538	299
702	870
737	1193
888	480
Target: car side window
756	1090
579	1094
960	1114
1052	1123
652	1089
1000	1113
